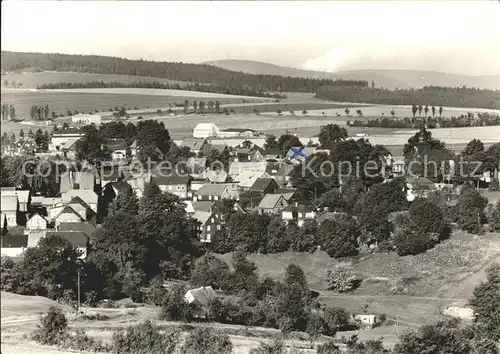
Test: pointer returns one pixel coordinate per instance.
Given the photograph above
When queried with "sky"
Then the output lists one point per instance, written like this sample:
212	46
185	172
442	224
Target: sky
460	37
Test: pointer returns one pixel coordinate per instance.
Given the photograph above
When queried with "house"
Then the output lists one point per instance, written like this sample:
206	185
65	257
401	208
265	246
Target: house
196	184
189	207
174	184
247	155
212	192
210	224
61	136
23	197
237	132
85	227
215	145
13	245
202	298
82	208
3	223
196	145
366	321
418	187
78	180
86	119
54	210
36	222
304	152
111	173
138	184
280	170
10	207
264	186
77	239
205	130
298	214
67	214
247	179
272	204
237	167
118	148
88	196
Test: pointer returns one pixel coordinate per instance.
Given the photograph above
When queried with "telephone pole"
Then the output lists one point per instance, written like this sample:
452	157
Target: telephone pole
78	295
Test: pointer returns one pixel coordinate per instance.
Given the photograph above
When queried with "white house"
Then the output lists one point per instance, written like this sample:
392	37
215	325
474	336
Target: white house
86	119
62	136
202	297
205	130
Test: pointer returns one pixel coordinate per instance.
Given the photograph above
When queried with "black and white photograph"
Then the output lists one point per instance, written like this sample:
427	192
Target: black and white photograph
250	177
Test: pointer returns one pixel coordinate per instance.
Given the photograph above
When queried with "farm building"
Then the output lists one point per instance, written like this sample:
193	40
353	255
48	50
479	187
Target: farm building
86	119
205	130
237	132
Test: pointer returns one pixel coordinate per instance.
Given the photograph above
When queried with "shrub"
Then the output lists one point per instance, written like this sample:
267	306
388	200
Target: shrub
145	338
342	278
53	327
207	341
277	346
82	342
328	348
209	271
7	274
336	319
408	242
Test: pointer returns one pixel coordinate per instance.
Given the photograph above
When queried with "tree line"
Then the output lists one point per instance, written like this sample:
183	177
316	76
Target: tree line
239	91
39	112
430	95
199	73
483	119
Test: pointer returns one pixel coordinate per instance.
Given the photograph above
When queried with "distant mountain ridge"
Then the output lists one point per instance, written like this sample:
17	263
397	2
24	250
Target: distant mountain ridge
390	79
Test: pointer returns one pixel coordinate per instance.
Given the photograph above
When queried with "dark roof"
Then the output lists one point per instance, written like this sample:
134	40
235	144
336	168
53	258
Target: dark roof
116	144
172	180
78	200
14	241
111	173
75	238
120	185
67	209
84	227
261	184
70	130
238	130
84	180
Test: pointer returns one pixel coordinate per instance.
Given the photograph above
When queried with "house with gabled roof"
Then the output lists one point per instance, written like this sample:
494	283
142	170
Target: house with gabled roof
118	148
174	184
82	208
23	197
272	204
298	213
67	214
264	186
196	145
237	167
248	155
217	176
78	180
418	187
88	196
10	208
210	224
36	222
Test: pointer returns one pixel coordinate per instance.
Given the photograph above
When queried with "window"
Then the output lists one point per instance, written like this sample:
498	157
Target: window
208	227
209	197
213	220
216	197
218	227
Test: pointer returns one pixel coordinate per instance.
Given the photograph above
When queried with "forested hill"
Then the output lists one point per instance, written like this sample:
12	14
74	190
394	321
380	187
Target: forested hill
196	73
428	95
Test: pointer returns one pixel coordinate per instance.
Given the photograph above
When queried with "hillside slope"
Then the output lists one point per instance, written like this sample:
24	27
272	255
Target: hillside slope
383	78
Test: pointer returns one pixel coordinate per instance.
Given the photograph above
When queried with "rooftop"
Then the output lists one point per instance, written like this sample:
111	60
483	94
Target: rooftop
75	238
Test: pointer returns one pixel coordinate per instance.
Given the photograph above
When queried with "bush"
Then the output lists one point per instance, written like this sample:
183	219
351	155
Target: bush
408	242
336	319
277	346
145	338
82	342
342	278
209	271
207	341
53	327
328	348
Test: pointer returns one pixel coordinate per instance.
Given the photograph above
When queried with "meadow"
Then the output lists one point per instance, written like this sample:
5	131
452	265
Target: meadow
33	79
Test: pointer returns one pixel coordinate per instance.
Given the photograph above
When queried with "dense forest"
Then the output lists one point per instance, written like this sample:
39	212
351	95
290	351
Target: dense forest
201	73
428	95
240	91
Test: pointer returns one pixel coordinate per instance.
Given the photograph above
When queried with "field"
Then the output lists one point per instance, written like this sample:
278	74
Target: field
410	289
32	79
